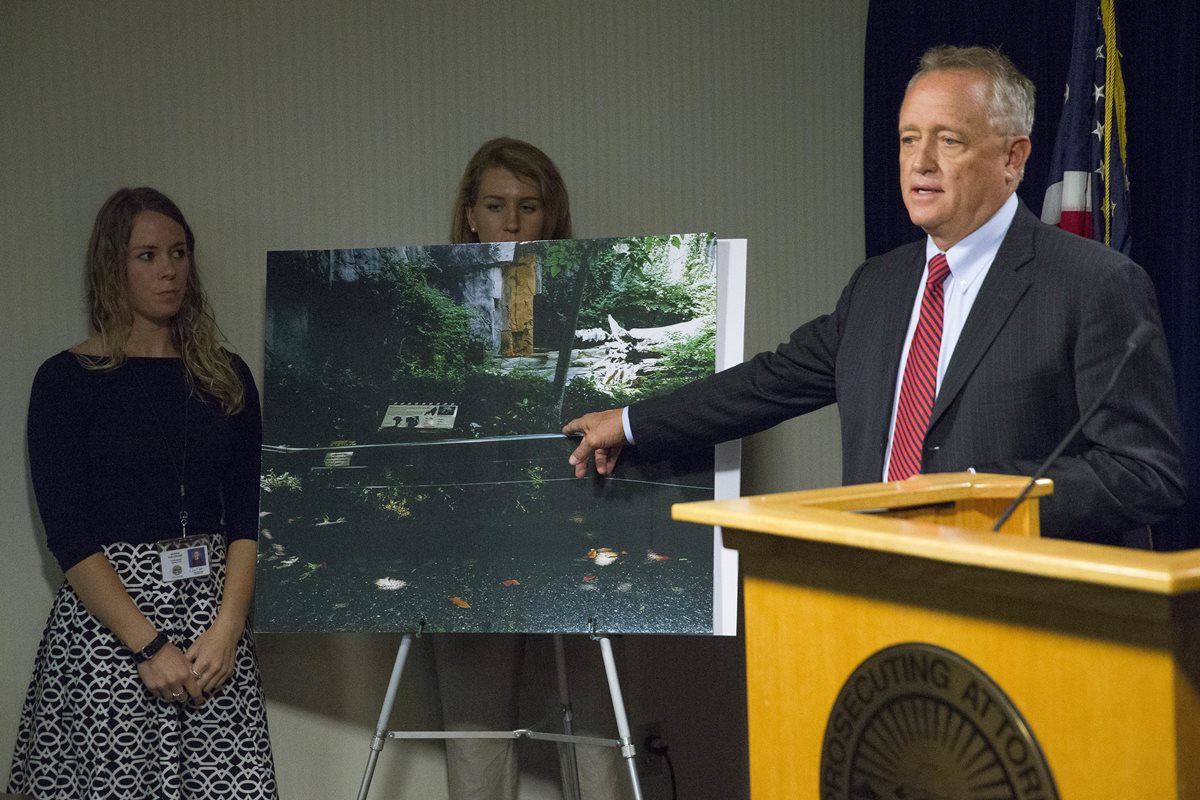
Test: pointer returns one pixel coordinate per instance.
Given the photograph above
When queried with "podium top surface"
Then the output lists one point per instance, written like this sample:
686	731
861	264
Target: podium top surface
841	516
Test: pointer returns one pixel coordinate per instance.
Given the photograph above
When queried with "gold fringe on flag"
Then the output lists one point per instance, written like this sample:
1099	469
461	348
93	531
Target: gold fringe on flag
1114	104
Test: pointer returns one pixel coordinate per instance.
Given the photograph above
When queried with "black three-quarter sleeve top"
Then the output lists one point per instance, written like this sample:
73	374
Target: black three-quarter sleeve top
107	451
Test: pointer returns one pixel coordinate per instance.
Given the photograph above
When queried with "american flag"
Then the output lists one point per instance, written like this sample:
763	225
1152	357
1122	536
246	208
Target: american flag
1090	193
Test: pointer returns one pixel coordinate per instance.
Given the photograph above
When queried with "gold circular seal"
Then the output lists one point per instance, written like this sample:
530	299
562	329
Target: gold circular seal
918	722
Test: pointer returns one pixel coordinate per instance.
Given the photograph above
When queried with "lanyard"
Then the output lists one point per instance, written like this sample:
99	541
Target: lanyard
180	468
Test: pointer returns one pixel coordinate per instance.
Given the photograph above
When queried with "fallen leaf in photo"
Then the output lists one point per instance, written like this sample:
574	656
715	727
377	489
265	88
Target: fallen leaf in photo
391	584
602	556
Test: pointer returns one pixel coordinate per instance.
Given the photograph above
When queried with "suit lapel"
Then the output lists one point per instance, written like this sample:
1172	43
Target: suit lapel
1001	290
892	317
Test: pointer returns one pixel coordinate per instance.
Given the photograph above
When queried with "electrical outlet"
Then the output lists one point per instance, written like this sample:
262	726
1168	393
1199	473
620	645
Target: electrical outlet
649	764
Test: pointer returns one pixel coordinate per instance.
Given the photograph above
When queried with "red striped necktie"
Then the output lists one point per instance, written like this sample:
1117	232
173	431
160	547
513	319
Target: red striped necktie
919	386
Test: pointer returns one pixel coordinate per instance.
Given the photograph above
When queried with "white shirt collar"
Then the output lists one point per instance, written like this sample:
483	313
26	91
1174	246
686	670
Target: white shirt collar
971	257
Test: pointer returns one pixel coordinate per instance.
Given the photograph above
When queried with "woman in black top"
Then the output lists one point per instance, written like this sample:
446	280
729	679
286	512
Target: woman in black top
144	452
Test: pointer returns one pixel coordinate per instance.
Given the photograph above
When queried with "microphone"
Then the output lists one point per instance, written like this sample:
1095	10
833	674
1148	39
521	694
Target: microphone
1143	333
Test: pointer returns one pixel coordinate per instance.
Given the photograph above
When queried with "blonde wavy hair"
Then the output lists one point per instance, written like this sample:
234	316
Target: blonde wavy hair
193	330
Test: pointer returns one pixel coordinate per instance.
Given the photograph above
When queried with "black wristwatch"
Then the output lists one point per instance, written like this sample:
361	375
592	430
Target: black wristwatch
147	652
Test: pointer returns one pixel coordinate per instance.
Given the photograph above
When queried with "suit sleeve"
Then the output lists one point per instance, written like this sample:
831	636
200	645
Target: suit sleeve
795	378
1125	470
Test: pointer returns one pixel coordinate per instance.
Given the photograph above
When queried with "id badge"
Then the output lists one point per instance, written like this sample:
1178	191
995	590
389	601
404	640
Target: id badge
184	558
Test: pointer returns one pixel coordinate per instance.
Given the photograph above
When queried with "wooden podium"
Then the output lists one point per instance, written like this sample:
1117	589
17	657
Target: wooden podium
1096	648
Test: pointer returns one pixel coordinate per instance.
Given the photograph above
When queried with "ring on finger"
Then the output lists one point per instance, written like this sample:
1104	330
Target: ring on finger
197	674
176	694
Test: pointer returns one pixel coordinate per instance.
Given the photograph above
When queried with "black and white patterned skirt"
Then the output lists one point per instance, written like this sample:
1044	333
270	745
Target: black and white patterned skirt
90	728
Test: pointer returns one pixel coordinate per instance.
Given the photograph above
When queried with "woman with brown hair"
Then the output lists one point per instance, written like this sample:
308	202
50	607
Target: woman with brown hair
512	192
144	453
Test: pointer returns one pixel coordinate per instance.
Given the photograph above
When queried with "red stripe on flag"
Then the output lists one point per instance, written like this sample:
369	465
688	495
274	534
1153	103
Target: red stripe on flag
1079	222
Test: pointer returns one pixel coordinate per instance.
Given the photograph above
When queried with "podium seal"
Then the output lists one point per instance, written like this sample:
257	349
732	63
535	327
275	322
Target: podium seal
919	722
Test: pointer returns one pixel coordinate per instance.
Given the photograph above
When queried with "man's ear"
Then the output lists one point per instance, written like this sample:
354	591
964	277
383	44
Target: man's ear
1018	155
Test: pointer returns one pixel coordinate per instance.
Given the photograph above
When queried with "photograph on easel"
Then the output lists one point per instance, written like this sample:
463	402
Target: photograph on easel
414	475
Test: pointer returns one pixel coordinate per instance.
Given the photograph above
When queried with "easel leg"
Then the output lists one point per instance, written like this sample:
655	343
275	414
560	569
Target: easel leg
385	714
628	752
569	765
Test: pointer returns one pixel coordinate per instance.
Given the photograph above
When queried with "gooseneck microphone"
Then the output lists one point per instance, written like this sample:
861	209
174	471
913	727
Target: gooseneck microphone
1143	333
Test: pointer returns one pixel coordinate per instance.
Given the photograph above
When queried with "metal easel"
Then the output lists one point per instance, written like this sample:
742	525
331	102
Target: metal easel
570	772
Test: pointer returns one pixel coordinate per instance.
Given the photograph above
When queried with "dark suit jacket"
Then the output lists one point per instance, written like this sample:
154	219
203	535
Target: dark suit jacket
1046	330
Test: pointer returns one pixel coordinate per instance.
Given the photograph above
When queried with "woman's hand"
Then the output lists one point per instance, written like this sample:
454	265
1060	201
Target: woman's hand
212	656
214	653
168	676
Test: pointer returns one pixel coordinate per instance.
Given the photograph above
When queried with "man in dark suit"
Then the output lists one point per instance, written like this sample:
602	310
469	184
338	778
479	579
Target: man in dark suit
1016	341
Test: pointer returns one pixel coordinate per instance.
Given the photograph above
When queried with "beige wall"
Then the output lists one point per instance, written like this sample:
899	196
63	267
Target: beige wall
312	124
